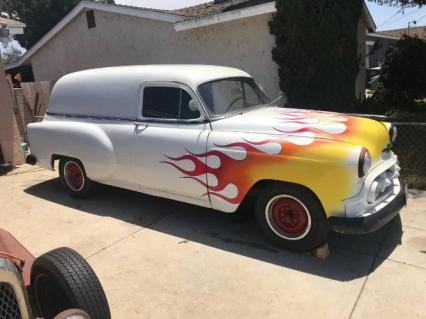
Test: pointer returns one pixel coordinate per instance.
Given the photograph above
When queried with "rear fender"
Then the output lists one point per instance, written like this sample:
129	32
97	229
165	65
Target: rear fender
84	141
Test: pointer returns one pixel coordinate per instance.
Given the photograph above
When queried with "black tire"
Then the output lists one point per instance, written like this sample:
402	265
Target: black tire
315	227
87	186
62	280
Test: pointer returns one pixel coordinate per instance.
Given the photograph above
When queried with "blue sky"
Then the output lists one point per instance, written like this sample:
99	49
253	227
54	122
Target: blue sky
385	17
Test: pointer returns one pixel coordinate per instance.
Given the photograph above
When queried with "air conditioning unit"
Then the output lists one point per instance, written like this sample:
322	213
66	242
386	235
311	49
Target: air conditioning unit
4	31
4	35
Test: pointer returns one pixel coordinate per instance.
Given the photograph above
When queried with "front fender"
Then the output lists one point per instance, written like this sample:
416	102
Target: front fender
236	162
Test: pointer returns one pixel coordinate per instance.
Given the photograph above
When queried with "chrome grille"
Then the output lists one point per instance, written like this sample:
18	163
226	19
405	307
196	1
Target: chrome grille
9	307
382	187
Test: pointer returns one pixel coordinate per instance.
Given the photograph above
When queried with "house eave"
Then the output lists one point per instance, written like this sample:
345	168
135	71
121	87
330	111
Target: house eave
383	36
226	17
371	25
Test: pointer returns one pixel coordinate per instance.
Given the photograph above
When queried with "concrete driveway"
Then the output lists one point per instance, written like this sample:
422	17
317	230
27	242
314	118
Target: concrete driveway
162	259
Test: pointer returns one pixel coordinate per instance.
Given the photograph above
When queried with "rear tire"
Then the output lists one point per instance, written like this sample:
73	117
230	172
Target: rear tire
62	280
291	217
73	177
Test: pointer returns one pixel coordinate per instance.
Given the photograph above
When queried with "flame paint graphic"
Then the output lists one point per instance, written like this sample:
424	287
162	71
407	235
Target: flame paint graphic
301	121
214	163
226	167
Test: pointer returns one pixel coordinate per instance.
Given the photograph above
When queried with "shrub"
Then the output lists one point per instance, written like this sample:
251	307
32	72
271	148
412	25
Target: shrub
316	51
403	76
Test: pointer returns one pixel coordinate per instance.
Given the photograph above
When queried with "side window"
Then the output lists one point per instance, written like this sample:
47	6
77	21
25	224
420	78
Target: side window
167	103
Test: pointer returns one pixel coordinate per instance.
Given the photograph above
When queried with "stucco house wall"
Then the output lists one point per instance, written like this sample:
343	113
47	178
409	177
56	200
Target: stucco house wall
124	40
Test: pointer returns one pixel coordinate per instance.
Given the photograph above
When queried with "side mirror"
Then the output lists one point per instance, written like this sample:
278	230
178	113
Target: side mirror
193	105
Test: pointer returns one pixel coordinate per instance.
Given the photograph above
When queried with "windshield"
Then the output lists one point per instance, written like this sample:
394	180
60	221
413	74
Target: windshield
234	95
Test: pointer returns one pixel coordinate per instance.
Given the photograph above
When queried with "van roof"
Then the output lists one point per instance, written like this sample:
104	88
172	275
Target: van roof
189	74
113	92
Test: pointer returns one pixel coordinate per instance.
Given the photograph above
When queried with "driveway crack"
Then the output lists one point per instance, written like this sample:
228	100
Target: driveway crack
376	257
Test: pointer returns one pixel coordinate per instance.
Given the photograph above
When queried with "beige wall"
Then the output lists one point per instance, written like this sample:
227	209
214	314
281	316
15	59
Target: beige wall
125	40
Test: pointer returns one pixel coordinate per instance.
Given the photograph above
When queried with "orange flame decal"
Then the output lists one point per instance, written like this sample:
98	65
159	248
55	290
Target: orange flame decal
225	171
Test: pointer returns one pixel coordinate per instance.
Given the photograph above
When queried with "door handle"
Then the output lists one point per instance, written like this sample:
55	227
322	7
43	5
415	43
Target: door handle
140	126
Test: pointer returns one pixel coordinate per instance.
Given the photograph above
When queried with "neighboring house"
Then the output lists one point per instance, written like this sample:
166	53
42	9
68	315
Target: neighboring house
413	32
223	32
9	28
14	27
377	45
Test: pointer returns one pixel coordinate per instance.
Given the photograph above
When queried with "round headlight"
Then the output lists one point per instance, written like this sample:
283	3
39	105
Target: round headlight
393	133
364	164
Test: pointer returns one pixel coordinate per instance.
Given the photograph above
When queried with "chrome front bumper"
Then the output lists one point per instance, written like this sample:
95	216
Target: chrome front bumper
381	196
373	221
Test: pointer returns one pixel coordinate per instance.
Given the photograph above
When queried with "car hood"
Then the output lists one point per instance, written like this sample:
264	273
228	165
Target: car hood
307	125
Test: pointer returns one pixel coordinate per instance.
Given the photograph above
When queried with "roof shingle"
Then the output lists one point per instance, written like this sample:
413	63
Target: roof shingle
415	31
210	8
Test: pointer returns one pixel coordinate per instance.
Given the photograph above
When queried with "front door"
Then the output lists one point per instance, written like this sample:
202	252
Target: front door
169	144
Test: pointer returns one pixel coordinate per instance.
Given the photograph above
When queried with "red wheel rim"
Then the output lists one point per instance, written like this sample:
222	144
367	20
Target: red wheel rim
74	176
290	216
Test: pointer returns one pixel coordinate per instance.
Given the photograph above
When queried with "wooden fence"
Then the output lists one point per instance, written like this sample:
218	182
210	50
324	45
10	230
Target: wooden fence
20	107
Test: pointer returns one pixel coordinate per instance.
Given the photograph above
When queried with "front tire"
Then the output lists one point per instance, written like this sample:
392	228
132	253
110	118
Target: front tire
74	179
291	217
62	280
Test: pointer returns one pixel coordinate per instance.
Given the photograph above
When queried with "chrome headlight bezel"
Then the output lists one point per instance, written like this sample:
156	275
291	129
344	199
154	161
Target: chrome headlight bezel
393	133
364	163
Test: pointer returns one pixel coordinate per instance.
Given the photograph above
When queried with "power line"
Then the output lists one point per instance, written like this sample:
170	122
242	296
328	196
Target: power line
398	12
406	16
421	18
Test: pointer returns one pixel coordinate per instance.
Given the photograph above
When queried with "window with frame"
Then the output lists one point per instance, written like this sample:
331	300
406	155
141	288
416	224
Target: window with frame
161	102
231	95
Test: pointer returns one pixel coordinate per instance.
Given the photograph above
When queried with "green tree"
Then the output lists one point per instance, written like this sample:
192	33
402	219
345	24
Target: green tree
403	75
316	51
11	55
40	16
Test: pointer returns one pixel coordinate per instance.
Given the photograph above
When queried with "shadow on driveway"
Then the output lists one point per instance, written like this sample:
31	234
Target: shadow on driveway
351	257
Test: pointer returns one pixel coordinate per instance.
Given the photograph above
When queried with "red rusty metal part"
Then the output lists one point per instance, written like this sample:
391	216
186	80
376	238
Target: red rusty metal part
16	252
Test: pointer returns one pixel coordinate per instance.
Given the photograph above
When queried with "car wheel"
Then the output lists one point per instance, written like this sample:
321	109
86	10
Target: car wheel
72	314
62	280
291	217
73	177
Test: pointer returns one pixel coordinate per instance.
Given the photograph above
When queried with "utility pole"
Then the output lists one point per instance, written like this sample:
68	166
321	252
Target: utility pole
414	22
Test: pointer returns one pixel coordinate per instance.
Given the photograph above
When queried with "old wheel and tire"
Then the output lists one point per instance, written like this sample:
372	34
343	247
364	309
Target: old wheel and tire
73	177
291	217
62	280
